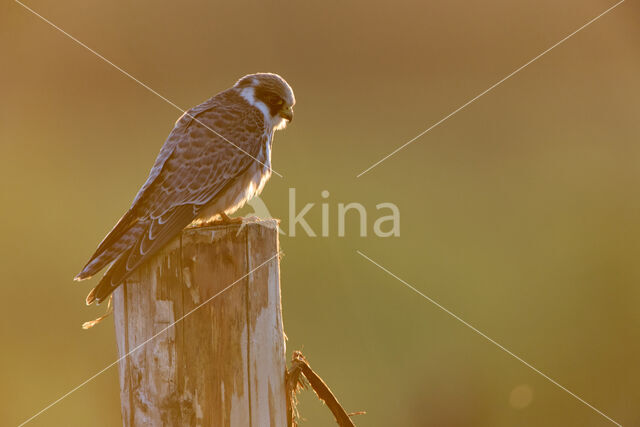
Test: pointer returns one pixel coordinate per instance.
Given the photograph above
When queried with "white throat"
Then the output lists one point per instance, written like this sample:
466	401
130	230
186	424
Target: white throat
275	123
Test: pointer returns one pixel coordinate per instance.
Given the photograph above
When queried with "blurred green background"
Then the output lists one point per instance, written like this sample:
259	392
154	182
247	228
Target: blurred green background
519	214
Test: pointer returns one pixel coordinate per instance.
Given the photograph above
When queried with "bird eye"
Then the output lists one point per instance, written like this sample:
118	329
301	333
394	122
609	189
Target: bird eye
276	100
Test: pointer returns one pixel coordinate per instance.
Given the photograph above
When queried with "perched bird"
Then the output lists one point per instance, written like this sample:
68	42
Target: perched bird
216	158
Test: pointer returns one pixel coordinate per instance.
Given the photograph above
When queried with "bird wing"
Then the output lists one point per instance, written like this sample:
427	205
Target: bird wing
204	162
131	224
200	165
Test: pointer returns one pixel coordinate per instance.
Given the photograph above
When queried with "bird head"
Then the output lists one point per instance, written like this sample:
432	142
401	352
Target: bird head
269	93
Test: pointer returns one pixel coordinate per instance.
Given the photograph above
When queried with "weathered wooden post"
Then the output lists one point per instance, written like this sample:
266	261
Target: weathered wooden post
224	363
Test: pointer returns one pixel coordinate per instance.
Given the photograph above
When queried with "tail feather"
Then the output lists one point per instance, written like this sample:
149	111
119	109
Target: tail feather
153	237
110	281
123	235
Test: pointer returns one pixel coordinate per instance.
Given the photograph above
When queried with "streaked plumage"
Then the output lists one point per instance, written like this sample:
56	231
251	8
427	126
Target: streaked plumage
217	157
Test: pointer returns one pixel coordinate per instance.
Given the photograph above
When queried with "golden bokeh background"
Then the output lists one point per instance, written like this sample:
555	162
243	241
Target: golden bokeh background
520	214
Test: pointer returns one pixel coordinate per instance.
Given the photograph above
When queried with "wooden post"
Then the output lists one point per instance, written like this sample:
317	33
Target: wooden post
224	363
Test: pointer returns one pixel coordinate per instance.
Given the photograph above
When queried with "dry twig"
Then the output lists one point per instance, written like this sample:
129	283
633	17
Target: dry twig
300	376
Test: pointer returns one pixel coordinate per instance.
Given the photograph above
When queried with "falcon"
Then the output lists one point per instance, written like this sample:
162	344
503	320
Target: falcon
217	157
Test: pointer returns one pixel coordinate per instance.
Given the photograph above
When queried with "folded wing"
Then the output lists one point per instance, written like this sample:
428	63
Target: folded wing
198	167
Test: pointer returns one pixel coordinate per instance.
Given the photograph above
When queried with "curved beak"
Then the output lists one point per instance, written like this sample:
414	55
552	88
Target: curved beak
287	114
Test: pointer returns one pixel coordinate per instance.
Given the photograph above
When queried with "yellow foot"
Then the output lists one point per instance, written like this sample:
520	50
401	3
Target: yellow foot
225	219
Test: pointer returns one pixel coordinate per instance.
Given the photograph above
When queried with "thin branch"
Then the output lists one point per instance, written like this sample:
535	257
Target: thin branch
296	382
